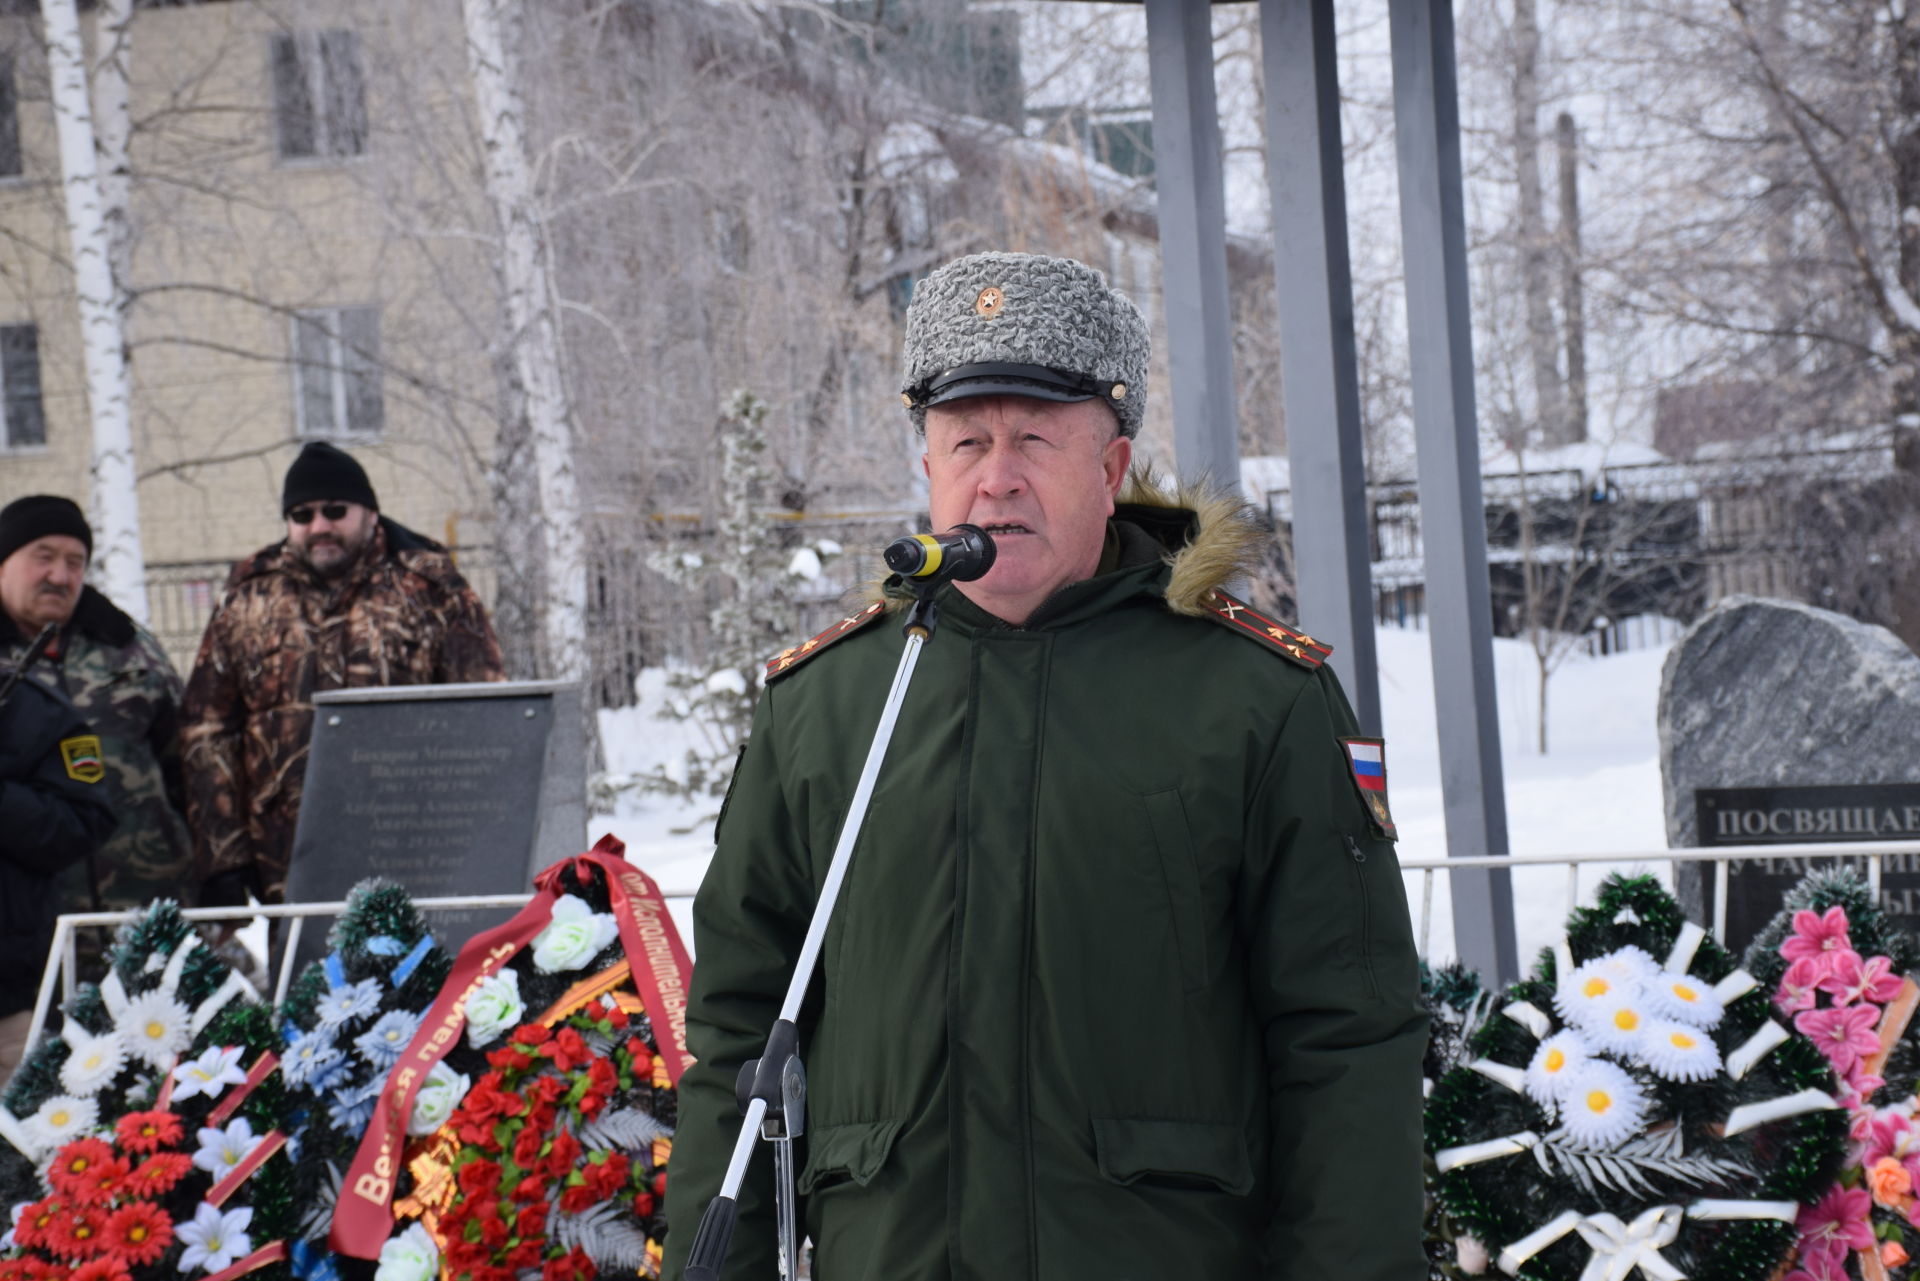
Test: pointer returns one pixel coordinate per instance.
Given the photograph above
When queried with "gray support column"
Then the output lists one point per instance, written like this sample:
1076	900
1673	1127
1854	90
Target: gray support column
1193	241
1322	388
1452	516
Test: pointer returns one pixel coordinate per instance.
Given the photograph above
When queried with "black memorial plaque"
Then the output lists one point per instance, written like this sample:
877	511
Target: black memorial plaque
449	790
1803	816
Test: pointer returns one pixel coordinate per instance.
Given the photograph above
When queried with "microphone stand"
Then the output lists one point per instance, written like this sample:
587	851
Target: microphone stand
772	1089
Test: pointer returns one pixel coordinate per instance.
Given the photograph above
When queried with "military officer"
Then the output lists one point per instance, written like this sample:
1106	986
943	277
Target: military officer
1122	981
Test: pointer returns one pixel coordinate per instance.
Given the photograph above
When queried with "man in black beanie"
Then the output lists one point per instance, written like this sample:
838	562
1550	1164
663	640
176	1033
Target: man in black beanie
114	671
348	599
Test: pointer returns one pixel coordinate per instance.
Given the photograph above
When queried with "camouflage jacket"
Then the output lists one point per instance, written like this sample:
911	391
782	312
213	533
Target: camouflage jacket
117	676
402	615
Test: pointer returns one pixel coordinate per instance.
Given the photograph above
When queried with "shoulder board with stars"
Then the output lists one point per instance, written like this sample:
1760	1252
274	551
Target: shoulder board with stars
794	655
1277	636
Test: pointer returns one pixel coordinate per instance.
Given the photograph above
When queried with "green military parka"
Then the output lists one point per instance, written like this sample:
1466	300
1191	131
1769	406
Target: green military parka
1121	984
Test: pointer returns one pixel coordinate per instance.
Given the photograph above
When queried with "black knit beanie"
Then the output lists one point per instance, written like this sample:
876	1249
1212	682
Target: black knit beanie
36	516
322	472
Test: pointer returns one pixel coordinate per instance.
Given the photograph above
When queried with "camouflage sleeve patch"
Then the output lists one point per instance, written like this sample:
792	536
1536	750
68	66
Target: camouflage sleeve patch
794	655
1241	617
81	755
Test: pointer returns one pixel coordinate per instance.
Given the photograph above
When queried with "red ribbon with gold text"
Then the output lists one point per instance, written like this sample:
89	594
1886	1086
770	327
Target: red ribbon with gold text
363	1219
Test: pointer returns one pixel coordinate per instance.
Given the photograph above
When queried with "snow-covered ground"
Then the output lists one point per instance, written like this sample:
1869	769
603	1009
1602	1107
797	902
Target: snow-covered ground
1598	788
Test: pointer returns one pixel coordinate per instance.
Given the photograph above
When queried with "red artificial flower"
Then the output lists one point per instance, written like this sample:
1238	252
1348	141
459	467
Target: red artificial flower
606	1177
564	1156
138	1232
568	1050
103	1269
70	1167
35	1225
531	1189
510	1057
574	1265
526	1254
147	1131
642	1204
642	1056
527	1145
578	1199
617	1017
486	1103
546	1090
530	1222
531	1034
493	1230
157	1174
479	1178
76	1234
30	1269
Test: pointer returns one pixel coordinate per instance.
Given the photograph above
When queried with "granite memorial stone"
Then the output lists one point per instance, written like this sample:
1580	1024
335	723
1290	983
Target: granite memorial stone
447	789
1781	723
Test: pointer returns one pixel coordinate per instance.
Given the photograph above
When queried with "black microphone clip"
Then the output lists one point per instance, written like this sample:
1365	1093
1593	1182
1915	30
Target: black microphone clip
959	556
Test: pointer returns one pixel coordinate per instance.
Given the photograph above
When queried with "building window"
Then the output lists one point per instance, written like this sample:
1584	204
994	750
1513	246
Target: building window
319	96
23	422
336	373
9	120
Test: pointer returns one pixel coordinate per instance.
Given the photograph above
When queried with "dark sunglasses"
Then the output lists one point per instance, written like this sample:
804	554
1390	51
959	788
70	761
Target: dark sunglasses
332	511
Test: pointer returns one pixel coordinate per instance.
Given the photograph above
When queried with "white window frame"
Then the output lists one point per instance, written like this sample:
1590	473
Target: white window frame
334	369
320	101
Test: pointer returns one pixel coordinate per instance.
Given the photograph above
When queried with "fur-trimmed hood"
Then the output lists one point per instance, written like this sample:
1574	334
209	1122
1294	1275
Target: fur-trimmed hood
1211	537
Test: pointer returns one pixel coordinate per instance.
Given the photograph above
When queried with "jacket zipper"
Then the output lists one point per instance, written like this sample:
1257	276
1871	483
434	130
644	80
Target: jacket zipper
1359	858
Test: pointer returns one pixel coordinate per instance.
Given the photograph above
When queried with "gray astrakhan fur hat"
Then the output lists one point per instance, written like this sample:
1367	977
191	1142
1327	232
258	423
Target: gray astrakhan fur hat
999	324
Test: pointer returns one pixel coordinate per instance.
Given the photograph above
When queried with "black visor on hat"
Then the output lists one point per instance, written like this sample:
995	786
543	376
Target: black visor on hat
999	378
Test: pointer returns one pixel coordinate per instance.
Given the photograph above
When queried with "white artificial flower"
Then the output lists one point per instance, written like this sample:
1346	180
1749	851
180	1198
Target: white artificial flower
221	1150
494	1008
341	1005
1559	1057
575	935
1603	1107
1683	997
1677	1051
1587	997
1620	1027
438	1096
411	1256
210	1074
155	1028
1470	1254
215	1240
59	1119
92	1061
13	1225
1629	964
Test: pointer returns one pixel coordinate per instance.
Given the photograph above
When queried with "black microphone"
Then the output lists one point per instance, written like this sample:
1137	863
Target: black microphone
960	556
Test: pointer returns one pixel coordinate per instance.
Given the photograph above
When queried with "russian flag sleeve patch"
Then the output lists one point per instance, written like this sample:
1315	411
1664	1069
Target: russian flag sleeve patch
1367	767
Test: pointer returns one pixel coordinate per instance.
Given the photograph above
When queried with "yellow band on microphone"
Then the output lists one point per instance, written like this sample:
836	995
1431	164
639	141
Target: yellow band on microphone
933	552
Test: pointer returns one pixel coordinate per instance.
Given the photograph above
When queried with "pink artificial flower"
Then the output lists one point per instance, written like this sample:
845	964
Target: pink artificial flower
1823	1259
1849	979
1799	983
1834	1224
1815	934
1894	1135
1844	1034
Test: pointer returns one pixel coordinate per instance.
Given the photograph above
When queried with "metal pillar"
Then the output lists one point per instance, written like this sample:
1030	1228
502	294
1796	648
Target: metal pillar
1331	552
1193	241
1452	516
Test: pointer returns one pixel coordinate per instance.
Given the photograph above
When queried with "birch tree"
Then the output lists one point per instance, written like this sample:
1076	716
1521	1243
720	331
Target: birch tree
533	337
119	565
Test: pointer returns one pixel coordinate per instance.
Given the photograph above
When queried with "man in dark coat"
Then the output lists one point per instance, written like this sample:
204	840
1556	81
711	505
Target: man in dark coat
119	678
348	599
53	814
1122	983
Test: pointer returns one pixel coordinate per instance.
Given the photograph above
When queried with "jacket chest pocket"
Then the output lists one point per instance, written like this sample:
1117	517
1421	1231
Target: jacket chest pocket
1180	875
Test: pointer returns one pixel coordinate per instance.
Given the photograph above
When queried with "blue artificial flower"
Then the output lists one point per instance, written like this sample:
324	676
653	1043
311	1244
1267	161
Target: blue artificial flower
384	1042
351	1108
310	1057
347	1002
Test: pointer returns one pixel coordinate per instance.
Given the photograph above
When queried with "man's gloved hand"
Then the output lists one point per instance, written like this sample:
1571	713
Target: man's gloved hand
231	887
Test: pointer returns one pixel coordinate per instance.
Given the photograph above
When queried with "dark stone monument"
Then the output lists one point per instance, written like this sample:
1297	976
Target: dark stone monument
1783	724
447	789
